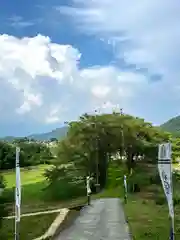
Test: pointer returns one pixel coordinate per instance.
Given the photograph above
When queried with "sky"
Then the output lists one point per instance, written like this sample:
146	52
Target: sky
60	59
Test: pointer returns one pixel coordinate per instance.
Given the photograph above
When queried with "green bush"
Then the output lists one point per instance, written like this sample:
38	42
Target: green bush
176	176
115	175
160	199
133	187
176	199
3	201
137	181
9	195
63	190
155	179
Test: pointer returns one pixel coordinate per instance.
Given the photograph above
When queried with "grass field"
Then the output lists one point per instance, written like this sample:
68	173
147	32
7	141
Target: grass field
28	176
34	198
147	219
31	227
150	221
32	183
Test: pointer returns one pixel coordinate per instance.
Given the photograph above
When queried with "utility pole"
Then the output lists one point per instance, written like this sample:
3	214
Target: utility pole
97	159
122	135
123	155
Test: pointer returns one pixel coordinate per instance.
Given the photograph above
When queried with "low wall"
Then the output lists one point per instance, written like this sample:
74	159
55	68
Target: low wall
62	221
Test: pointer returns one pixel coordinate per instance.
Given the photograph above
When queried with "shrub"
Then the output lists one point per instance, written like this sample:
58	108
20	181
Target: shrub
176	199
3	210
64	190
176	176
155	179
160	199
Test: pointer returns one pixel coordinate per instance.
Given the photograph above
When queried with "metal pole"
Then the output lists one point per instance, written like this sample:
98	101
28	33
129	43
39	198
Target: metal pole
172	219
122	135
17	197
88	189
123	155
17	225
172	223
97	160
125	189
17	230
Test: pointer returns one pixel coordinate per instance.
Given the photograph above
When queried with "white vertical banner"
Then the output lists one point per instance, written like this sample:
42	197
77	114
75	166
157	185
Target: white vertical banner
125	184
18	188
88	185
165	172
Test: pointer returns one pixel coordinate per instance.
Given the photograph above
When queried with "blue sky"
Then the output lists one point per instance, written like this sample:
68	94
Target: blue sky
59	59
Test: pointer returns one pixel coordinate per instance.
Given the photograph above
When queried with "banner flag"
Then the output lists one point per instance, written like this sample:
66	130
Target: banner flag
165	172
125	184
18	187
88	185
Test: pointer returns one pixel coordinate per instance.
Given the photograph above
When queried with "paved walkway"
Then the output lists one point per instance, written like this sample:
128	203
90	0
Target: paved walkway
103	220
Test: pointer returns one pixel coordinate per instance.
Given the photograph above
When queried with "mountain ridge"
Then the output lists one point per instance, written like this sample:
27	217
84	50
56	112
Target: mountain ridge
57	133
172	126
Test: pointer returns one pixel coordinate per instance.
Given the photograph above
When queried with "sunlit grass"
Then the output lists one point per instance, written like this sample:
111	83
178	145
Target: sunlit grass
28	175
30	227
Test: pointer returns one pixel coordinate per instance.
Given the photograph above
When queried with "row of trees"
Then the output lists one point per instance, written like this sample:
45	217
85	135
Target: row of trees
94	138
87	150
32	153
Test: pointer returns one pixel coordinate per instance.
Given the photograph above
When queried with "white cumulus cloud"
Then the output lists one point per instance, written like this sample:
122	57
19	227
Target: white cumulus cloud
40	81
146	35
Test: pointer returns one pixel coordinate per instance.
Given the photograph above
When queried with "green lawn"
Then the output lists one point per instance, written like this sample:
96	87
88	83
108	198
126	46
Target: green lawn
147	219
30	228
34	197
28	175
32	184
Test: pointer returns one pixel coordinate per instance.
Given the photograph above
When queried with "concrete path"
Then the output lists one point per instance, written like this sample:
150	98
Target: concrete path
103	220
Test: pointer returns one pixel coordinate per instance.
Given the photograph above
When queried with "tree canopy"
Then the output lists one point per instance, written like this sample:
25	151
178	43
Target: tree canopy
32	153
94	138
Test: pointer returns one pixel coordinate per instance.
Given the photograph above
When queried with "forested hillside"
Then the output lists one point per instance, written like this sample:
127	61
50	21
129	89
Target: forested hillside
172	125
58	133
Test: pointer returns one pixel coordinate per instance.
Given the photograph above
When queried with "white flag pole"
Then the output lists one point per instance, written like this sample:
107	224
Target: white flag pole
17	196
88	189
172	218
125	189
165	172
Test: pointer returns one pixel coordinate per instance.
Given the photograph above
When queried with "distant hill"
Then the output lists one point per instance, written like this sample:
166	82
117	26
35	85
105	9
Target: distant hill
8	138
58	133
172	125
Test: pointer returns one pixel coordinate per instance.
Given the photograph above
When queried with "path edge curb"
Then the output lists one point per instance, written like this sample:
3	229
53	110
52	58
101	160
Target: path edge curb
64	219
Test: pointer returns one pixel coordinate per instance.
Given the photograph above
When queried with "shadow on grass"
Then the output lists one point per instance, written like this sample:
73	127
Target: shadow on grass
30	192
62	190
30	228
37	197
